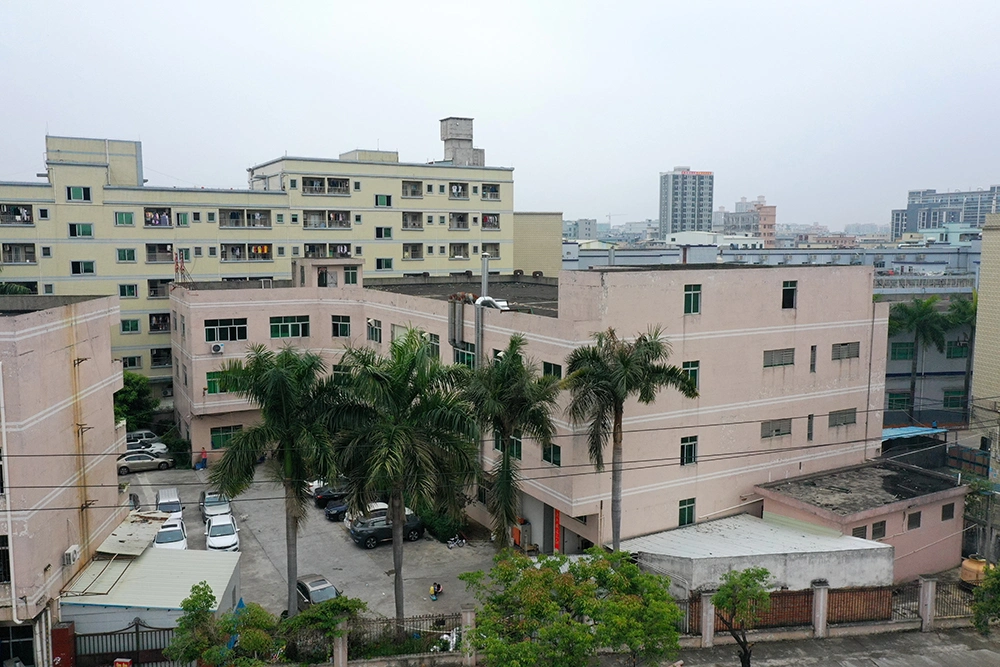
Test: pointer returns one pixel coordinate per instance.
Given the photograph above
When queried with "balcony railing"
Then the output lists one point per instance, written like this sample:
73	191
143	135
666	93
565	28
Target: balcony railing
313	189
16	219
154	257
491	195
457	225
326	224
159	292
339	190
159	328
413	224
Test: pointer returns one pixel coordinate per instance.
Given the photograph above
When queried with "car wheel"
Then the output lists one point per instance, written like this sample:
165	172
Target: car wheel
413	535
371	543
123	470
163	466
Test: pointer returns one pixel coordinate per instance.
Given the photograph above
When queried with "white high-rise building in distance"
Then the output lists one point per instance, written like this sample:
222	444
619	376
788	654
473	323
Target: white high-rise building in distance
685	201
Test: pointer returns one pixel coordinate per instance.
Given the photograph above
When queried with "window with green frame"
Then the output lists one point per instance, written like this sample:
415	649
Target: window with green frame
290	326
350	275
685	513
692	299
899	400
341	326
552	454
554	370
124	219
221	435
434	345
692	368
515	442
954	399
130	326
465	354
901	351
957	349
689	450
126	254
213	382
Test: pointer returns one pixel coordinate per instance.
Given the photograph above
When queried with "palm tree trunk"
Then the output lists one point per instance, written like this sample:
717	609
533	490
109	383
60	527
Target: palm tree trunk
616	480
504	496
398	515
967	412
913	382
291	547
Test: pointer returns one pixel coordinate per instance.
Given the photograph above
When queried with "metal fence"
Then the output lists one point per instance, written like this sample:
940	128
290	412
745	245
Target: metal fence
952	600
857	605
684	625
906	602
140	642
378	637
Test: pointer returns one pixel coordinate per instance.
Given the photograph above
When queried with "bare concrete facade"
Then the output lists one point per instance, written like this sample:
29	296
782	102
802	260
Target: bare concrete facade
60	487
775	350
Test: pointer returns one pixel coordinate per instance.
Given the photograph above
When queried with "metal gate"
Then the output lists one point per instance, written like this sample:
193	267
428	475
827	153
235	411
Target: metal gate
140	642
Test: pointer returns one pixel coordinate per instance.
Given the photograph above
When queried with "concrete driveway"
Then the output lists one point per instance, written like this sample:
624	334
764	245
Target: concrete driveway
324	547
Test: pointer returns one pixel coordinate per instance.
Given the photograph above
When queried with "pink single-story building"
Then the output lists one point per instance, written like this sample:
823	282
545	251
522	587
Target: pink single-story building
917	511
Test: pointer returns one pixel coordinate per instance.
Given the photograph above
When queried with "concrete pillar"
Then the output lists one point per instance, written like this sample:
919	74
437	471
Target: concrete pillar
707	621
928	592
821	609
468	626
339	657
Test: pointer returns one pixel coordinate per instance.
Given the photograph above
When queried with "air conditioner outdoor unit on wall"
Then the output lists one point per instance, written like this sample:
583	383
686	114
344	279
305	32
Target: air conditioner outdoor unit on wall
218	348
71	555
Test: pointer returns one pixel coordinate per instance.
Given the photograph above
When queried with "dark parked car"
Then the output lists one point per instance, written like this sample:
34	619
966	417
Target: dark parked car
326	494
336	510
369	531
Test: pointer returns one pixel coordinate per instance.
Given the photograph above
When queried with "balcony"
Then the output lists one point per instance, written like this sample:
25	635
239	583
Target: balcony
19	253
159	288
16	214
157	217
492	249
491	221
325	251
458	251
458	221
244	252
338	186
412	251
160	357
326	220
491	192
413	221
259	252
413	189
313	186
458	191
159	323
159	253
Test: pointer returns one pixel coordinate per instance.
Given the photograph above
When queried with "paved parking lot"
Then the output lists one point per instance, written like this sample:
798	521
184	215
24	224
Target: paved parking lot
324	548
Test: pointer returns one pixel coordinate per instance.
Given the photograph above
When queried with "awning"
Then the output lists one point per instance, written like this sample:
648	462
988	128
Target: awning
909	432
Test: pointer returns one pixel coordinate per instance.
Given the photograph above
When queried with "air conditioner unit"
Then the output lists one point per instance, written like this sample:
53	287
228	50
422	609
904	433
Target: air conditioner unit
218	348
71	555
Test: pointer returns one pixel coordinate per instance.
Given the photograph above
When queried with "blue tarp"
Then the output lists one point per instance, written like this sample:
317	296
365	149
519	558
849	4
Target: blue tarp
909	432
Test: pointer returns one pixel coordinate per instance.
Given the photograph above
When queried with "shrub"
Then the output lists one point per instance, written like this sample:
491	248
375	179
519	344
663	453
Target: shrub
309	634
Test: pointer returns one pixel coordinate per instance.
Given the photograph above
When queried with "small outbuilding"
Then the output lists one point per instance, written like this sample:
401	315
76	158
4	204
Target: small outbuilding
695	557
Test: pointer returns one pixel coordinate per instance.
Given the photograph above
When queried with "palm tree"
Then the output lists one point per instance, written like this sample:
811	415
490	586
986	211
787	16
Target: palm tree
927	324
511	400
962	313
415	439
10	289
293	394
601	378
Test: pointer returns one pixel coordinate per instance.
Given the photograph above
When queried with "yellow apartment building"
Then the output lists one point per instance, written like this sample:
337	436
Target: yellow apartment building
92	226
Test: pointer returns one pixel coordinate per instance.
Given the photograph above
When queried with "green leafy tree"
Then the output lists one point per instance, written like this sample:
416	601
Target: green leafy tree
413	437
197	628
742	597
251	630
511	399
134	402
927	324
961	314
554	612
986	600
601	378
309	636
295	399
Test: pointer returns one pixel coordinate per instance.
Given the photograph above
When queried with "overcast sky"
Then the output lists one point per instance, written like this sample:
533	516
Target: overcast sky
832	110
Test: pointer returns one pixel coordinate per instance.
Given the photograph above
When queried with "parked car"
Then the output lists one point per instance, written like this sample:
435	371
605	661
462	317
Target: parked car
326	494
369	531
172	535
141	461
222	533
313	486
169	501
374	509
336	510
313	589
151	446
144	434
213	503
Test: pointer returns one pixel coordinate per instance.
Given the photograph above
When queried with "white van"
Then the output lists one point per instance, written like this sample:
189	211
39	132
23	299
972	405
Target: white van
167	500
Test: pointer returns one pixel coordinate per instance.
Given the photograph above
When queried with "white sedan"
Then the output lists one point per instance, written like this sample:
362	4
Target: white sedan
172	535
222	534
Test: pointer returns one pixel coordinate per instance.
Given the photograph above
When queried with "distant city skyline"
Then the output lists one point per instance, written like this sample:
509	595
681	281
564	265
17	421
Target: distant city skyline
588	105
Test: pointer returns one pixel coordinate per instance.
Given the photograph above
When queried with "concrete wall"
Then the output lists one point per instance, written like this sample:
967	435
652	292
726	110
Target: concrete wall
986	373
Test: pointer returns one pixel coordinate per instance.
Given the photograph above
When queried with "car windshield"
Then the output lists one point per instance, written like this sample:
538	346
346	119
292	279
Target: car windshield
324	594
170	507
211	501
220	529
169	536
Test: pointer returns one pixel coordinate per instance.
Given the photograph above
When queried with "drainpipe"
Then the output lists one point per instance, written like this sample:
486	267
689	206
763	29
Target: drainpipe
6	486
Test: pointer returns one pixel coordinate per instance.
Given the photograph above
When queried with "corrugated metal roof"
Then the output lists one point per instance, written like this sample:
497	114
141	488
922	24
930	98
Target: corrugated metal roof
158	579
133	535
743	535
909	432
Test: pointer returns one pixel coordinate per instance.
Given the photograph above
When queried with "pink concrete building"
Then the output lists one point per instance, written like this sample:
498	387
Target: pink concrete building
60	495
774	351
917	511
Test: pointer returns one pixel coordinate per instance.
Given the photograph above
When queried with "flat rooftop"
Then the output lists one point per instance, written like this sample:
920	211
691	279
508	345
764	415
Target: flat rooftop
538	296
14	305
743	535
857	489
